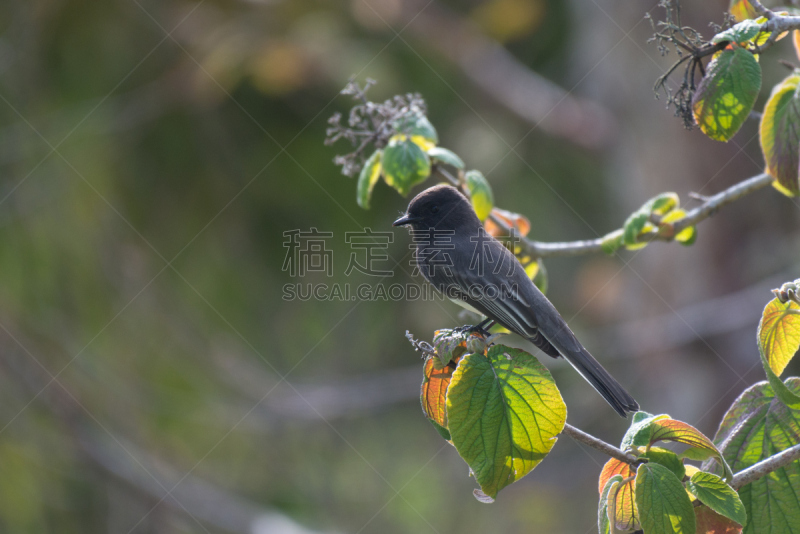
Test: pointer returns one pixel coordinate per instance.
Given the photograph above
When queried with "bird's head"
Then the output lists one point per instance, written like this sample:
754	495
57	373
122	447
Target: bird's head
442	207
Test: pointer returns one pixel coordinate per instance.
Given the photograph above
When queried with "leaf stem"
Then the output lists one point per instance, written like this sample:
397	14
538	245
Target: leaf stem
764	467
597	443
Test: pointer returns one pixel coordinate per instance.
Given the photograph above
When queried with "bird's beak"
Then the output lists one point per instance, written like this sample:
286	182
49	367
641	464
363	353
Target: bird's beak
404	220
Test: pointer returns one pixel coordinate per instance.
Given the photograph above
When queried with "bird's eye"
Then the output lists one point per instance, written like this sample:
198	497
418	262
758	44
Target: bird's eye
435	209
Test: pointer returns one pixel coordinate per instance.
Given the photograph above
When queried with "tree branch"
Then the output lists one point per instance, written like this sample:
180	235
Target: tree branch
764	467
710	205
597	443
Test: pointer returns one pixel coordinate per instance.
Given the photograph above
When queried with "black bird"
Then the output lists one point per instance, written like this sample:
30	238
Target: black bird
457	256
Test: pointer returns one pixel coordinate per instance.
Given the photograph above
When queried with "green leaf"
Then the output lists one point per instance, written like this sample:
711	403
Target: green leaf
664	507
404	164
368	178
717	495
739	33
726	94
633	227
756	426
480	193
611	242
448	157
440	429
415	123
504	412
778	340
780	136
603	516
664	203
742	10
668	459
638	435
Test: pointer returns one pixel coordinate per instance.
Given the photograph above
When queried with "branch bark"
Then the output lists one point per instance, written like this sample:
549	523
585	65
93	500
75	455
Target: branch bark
710	205
764	467
597	443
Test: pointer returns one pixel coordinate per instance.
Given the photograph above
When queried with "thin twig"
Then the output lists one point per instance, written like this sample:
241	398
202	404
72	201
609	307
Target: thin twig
597	443
710	205
764	467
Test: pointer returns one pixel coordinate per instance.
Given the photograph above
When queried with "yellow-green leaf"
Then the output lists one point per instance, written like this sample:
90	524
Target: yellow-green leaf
780	135
726	94
680	432
717	495
368	178
664	507
504	412
404	164
480	193
779	333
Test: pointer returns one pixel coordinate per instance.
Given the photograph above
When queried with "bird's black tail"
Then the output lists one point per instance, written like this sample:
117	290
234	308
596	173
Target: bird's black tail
599	378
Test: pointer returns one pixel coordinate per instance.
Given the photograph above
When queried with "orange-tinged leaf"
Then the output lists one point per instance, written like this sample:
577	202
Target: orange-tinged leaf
796	41
434	391
516	221
779	333
626	515
680	432
710	522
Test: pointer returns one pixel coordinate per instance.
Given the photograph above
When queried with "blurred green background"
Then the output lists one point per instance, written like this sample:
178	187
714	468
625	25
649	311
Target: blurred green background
153	153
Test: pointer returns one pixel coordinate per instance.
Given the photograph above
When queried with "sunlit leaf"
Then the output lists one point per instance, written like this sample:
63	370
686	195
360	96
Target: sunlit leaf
710	522
727	92
625	505
779	333
404	164
668	459
504	413
680	432
715	493
433	393
742	10
442	155
664	203
603	515
368	178
777	344
664	507
519	223
480	193
415	123
756	426
780	136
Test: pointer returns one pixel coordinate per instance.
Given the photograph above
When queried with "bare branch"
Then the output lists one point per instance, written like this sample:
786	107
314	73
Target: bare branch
710	205
764	467
597	443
